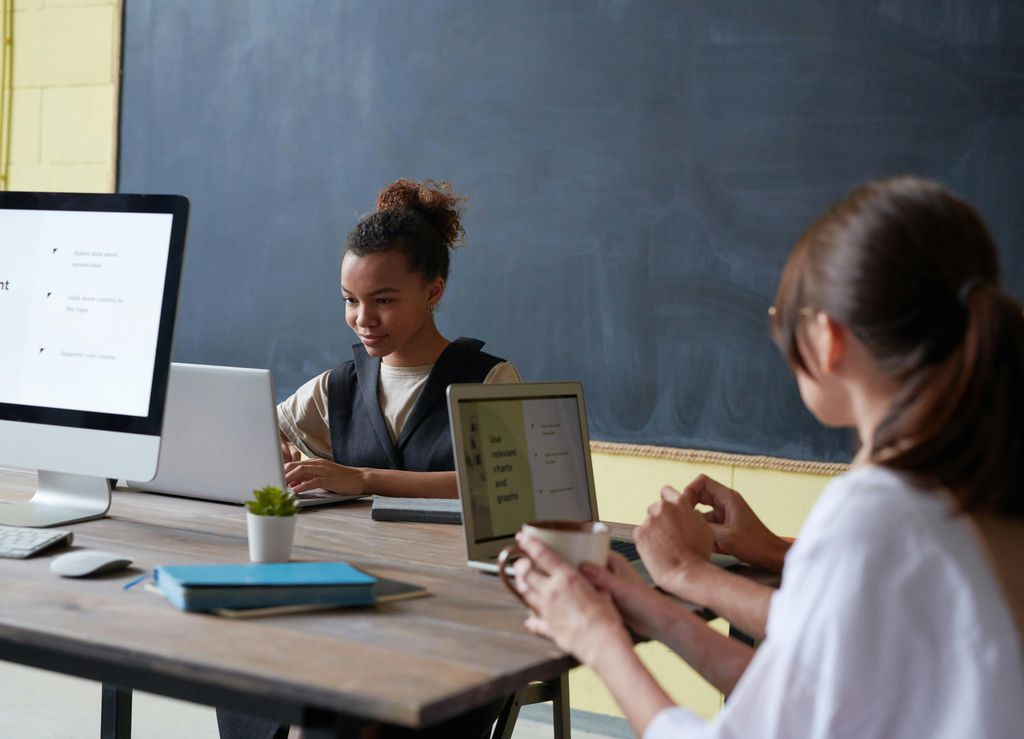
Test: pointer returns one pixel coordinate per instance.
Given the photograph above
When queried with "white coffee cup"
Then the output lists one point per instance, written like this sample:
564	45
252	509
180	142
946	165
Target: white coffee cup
574	541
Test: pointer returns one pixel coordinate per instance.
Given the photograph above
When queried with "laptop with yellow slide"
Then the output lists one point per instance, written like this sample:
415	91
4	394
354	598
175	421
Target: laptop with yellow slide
521	454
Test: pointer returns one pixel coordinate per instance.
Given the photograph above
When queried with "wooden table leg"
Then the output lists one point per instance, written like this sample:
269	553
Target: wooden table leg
506	723
555	690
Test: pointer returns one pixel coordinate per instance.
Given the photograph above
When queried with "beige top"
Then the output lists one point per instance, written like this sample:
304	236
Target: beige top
303	416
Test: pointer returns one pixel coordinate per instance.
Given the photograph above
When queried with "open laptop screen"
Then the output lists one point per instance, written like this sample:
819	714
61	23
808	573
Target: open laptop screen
524	459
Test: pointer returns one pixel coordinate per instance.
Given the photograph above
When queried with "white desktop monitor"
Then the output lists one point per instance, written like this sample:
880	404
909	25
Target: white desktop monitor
88	292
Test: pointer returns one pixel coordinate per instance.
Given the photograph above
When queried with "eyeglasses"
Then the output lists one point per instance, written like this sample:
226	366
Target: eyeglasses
805	312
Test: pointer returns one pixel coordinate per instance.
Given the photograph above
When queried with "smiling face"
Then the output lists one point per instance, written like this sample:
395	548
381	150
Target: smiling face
389	307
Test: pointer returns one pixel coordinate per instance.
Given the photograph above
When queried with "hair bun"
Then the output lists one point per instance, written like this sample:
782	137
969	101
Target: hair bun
435	201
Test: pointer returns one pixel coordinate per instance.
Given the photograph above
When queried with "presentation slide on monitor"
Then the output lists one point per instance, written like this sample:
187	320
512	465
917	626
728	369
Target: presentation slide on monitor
526	462
80	300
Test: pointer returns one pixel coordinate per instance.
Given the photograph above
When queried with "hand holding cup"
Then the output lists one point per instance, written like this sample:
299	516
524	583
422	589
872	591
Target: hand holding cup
574	541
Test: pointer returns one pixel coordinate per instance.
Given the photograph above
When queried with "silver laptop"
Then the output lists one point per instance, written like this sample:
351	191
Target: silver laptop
521	454
220	437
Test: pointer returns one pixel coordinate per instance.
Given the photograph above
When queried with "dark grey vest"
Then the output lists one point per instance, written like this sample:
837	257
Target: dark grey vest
359	434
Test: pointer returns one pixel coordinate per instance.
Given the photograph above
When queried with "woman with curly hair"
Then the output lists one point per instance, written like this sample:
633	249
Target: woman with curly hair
378	423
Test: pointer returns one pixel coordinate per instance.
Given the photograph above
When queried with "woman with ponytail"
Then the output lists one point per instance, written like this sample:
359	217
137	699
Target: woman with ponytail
378	423
901	610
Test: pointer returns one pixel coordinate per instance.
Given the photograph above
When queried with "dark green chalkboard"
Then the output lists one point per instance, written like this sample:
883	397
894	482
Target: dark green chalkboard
637	173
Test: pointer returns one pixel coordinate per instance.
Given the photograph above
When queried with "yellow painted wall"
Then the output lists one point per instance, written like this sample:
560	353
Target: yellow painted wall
64	138
64	102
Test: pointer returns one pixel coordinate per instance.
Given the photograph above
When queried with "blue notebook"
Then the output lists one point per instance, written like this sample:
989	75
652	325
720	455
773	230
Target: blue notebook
207	587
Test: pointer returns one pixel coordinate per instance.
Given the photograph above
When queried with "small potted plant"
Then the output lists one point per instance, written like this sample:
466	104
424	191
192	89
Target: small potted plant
271	521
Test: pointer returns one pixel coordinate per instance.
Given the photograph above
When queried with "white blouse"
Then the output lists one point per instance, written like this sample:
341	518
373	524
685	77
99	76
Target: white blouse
889	623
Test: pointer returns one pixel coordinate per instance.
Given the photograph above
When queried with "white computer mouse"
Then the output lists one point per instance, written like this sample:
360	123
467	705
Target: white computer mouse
87	562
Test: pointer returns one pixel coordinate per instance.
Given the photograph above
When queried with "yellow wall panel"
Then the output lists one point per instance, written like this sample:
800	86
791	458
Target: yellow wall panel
781	499
77	124
61	177
626	485
26	125
64	105
77	3
64	46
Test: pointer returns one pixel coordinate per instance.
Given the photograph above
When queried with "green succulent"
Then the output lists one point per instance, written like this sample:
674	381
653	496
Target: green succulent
271	501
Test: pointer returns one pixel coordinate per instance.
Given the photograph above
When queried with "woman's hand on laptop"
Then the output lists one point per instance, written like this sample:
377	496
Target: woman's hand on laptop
674	541
738	531
310	474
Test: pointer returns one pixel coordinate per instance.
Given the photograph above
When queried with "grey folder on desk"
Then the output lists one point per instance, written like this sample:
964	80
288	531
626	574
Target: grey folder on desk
422	510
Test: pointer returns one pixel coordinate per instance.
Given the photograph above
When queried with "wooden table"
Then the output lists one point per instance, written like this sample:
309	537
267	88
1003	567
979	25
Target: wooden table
410	663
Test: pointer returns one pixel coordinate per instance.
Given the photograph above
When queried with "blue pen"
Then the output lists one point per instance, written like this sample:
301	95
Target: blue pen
136	581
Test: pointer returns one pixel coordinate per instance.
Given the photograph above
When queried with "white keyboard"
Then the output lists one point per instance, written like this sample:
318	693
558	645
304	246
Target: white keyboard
18	542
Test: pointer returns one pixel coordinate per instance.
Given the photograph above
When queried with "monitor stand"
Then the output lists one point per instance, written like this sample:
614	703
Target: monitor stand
60	498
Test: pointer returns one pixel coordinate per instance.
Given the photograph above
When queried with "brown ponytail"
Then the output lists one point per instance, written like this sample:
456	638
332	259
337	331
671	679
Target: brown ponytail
420	219
912	271
959	423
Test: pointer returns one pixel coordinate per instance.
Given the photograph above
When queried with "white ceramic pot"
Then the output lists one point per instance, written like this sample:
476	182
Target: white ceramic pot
270	537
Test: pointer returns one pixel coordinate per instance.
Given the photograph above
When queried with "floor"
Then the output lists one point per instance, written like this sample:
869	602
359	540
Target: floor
42	705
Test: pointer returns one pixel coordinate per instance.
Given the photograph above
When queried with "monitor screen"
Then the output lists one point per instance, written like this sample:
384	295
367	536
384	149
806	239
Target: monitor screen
85	320
525	460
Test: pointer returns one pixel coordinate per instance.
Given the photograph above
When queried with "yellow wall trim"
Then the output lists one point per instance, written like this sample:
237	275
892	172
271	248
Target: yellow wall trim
699	456
6	89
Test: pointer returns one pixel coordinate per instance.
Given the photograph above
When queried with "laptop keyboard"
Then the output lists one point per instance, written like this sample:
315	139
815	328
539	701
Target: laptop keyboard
626	548
314	494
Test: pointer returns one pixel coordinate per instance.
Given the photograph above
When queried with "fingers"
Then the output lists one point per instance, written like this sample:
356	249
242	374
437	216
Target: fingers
531	583
670	495
536	625
521	567
708	491
308	474
616	581
617	564
307	468
306	483
542	557
598	576
302	464
295	475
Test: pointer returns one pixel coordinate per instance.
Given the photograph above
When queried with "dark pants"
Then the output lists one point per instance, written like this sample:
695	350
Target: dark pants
473	724
243	726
